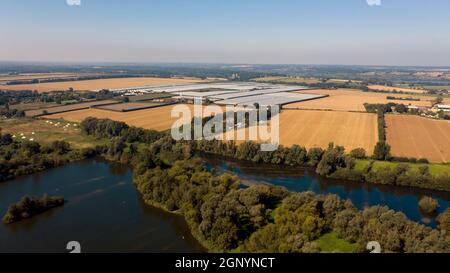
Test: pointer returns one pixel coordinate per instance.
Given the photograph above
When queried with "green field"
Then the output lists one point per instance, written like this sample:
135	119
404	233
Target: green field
426	87
435	169
151	96
299	80
331	243
437	87
32	106
43	132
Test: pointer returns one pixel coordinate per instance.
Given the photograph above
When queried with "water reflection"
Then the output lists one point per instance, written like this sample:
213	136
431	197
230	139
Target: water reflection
105	214
404	199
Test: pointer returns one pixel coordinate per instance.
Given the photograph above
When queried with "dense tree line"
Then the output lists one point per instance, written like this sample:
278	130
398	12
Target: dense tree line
71	78
325	84
382	150
264	218
19	158
401	174
261	218
6	112
27	207
333	162
11	98
106	128
444	223
402	98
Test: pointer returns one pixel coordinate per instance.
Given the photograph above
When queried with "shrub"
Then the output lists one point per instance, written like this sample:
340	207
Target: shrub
428	204
423	161
359	153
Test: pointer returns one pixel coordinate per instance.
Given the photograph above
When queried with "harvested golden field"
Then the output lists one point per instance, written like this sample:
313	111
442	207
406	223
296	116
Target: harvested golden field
154	118
396	89
311	129
98	84
319	128
303	127
288	80
414	136
34	76
351	100
32	106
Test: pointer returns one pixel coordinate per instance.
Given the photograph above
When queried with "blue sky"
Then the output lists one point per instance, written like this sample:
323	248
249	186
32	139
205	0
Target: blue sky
399	32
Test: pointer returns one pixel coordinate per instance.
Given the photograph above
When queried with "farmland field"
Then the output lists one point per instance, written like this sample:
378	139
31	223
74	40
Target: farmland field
97	84
131	106
70	107
151	96
352	100
32	106
437	87
43	132
413	136
35	76
300	80
288	80
311	129
154	118
397	89
319	128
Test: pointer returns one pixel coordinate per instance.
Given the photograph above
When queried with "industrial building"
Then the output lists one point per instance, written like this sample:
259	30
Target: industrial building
239	93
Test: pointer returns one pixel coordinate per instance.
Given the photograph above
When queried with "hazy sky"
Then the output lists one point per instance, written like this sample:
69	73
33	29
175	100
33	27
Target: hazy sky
398	32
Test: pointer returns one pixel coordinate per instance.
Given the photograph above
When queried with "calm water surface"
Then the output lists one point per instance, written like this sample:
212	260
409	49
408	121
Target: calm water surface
402	199
104	213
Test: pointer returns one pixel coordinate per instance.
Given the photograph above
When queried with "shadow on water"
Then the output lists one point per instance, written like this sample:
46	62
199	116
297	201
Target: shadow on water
104	213
403	199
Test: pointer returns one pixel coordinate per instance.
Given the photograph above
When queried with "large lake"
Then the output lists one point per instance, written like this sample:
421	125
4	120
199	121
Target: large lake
104	213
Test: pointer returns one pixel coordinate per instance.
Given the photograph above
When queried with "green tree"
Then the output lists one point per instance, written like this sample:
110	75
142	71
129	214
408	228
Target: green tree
382	151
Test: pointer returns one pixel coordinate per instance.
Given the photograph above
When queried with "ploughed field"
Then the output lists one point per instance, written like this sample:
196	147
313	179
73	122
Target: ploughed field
413	136
154	118
353	100
98	84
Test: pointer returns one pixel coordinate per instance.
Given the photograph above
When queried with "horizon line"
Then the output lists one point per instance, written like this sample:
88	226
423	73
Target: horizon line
210	63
